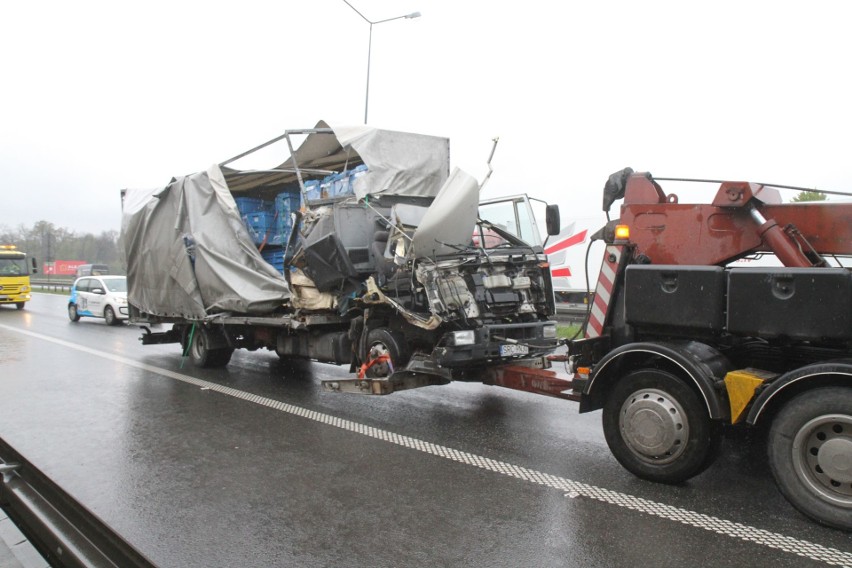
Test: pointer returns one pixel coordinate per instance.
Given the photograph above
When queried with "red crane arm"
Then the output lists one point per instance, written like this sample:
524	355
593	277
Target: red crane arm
744	218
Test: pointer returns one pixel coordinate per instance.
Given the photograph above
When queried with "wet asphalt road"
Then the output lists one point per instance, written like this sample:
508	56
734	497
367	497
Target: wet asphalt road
254	465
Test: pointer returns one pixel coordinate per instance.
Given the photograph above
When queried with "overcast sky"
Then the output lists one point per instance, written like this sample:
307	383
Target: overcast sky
98	96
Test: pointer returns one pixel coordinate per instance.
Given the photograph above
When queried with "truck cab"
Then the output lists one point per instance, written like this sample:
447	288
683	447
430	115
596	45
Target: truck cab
15	270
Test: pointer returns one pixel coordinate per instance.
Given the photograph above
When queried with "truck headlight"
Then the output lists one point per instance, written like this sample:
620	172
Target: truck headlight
25	289
549	331
467	337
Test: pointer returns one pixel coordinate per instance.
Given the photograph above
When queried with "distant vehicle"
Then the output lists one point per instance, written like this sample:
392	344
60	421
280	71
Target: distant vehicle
92	270
573	274
99	297
63	267
15	276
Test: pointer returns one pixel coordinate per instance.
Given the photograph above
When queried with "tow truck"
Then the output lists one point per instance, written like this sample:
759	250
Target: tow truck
682	341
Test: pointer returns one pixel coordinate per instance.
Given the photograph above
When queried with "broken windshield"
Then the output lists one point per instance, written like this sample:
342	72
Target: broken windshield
512	216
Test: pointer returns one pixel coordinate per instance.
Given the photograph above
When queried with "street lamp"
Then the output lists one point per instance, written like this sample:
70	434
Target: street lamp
370	47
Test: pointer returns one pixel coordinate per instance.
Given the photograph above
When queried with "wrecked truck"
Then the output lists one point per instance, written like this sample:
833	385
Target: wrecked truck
375	257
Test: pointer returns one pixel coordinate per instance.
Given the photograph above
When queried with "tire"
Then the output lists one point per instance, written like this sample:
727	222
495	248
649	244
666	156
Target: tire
221	357
202	356
72	313
658	428
109	316
382	341
20	305
810	454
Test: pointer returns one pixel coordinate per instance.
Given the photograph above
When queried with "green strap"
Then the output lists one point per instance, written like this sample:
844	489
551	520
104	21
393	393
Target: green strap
188	345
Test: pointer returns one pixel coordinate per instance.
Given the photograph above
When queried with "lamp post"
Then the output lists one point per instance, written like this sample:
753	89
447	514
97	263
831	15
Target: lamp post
48	258
370	47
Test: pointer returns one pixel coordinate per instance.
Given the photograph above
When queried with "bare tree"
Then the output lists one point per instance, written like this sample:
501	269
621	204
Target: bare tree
47	243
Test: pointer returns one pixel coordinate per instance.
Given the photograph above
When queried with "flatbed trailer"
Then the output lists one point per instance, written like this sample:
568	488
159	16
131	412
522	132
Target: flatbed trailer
384	263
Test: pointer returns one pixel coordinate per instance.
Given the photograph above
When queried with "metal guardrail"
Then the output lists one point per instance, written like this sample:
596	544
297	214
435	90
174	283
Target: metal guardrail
52	285
65	532
574	313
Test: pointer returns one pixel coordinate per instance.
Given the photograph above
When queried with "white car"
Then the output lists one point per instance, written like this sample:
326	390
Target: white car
99	297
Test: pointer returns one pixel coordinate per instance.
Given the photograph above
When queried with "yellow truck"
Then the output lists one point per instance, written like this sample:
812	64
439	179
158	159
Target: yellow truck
15	276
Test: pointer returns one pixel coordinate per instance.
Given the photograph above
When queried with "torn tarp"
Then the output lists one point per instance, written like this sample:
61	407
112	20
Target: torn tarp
189	254
399	163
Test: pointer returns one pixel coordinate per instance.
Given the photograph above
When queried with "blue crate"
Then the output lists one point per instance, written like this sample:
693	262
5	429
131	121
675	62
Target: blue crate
249	205
262	225
282	228
343	184
285	204
326	187
336	186
312	190
275	257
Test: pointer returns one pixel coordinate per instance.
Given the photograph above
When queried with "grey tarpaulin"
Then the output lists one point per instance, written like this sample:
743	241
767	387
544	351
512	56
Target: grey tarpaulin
399	163
188	251
189	254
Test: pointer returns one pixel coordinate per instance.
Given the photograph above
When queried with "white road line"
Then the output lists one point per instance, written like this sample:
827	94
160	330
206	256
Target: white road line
805	549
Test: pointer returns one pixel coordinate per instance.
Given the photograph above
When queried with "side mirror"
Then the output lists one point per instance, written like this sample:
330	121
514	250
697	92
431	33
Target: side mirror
551	219
35	265
98	291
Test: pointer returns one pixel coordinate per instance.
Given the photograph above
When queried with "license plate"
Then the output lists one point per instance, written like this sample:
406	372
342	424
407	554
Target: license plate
510	349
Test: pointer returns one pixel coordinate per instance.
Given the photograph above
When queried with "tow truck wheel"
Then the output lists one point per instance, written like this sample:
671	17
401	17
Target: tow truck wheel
387	352
205	357
72	312
658	428
810	453
20	305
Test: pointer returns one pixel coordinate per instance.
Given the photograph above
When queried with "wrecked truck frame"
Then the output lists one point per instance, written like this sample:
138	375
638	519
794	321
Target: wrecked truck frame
400	279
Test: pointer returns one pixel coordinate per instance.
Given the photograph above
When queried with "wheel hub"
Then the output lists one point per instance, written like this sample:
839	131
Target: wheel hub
379	369
654	426
823	456
835	459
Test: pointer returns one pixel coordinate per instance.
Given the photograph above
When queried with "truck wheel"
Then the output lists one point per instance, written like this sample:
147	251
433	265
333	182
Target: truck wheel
72	312
658	428
109	316
20	305
810	453
203	356
383	342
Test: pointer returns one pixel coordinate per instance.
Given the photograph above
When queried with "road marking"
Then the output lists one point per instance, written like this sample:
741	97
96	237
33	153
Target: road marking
803	548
